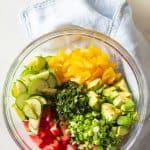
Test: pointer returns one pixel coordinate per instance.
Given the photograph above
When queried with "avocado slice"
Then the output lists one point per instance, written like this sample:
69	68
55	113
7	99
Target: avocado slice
110	112
95	84
94	100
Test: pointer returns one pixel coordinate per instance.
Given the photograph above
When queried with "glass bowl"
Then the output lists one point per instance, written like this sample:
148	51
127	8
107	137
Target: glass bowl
68	39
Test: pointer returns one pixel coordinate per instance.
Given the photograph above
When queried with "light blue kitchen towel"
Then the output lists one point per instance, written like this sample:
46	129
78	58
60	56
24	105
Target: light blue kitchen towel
111	17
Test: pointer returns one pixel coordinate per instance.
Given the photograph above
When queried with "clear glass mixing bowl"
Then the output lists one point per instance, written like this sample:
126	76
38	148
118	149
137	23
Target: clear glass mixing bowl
69	39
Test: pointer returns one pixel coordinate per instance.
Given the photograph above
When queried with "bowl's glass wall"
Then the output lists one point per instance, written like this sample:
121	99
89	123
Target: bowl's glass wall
69	39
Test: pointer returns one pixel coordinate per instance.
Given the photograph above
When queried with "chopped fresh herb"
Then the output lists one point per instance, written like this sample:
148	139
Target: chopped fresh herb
71	100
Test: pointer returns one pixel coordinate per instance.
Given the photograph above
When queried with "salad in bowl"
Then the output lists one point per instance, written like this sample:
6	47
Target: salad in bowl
74	99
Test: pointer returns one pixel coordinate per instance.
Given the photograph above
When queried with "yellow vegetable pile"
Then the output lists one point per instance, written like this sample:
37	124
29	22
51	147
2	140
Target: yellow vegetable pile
84	65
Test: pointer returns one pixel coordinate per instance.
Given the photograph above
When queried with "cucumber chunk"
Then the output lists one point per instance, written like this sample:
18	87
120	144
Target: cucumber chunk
28	111
47	58
27	72
34	125
51	70
36	64
41	99
49	91
36	86
42	75
35	106
19	112
52	81
26	79
18	88
20	101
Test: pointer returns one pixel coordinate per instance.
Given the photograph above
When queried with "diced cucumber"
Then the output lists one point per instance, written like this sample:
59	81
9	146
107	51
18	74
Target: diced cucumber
18	88
35	106
27	72
34	125
26	79
41	99
36	64
36	86
47	58
51	70
19	112
49	91
20	101
42	75
52	81
28	111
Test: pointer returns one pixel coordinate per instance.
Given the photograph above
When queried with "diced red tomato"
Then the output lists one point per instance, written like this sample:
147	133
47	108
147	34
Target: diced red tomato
26	125
52	123
51	136
71	147
42	134
63	126
65	139
56	144
55	130
94	148
36	139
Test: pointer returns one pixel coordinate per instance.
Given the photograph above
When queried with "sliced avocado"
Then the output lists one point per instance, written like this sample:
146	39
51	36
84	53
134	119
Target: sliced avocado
122	131
124	120
110	93
110	112
94	100
95	84
20	100
18	88
36	86
118	101
122	85
19	112
128	106
36	64
122	98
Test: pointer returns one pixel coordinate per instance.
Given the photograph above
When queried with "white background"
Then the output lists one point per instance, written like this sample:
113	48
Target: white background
13	40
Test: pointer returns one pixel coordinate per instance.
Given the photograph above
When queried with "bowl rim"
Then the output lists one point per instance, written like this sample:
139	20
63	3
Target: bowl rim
93	34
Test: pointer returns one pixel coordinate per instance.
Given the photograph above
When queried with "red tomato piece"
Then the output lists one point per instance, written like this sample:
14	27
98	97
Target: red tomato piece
65	139
37	140
71	147
49	147
26	125
52	123
94	148
55	130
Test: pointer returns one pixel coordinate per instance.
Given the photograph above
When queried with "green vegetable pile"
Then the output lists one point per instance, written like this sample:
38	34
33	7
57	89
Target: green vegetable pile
106	122
98	115
71	99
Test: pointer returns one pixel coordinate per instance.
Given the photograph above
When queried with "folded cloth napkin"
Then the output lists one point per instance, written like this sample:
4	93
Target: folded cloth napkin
111	17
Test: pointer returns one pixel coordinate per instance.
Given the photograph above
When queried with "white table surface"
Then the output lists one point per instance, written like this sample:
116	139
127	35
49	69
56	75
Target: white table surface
13	39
